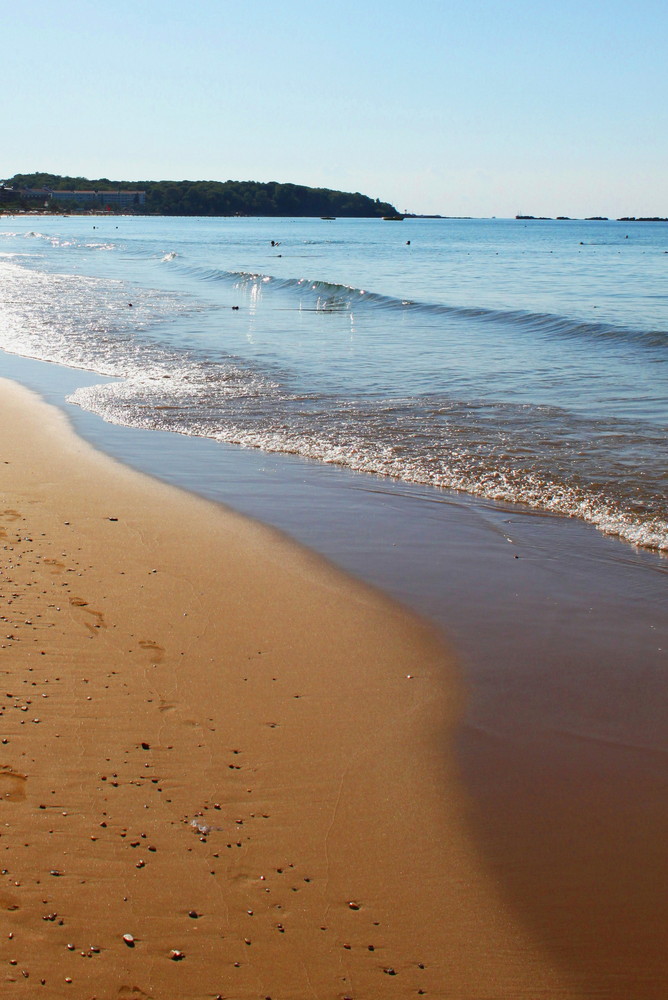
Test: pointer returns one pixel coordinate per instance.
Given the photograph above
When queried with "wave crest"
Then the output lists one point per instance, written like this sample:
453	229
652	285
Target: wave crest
323	295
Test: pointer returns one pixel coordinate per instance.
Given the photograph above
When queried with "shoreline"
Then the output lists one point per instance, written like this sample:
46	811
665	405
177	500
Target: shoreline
167	649
560	748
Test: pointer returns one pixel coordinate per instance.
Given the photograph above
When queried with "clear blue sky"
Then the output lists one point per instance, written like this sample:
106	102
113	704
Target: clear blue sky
471	107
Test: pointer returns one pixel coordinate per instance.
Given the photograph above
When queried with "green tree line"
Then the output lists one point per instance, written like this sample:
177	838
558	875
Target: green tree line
222	197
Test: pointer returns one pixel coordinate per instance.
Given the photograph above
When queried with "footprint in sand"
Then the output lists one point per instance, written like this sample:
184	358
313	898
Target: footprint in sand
157	652
10	515
99	622
56	565
8	902
12	785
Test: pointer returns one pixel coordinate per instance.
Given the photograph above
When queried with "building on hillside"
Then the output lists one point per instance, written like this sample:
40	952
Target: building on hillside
89	199
42	193
102	199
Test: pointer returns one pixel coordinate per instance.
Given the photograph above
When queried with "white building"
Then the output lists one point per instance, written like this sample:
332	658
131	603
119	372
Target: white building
102	199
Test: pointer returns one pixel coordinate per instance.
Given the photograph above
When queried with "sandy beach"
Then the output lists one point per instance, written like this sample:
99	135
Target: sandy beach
219	745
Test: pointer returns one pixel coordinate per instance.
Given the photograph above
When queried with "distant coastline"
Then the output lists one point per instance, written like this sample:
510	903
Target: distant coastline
590	218
56	193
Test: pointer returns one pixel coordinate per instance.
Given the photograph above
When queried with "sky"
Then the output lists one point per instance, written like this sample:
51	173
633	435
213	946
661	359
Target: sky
454	107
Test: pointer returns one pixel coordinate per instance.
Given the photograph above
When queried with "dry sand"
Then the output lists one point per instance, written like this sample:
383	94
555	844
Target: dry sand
216	743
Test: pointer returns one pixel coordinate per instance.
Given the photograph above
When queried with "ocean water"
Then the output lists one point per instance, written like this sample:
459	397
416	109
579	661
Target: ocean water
518	361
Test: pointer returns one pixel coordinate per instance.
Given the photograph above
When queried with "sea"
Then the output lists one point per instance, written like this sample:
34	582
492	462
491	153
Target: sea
519	361
469	414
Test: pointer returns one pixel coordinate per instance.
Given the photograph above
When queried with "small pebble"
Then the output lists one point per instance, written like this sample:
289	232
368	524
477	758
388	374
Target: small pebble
129	940
176	956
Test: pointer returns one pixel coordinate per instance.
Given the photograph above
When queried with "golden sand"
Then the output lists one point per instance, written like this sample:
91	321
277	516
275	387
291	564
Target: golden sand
217	744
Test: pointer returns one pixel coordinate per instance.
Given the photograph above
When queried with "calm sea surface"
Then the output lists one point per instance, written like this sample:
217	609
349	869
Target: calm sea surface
518	361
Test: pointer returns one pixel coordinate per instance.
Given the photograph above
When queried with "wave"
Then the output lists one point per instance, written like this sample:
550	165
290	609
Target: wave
102	325
398	439
604	472
328	296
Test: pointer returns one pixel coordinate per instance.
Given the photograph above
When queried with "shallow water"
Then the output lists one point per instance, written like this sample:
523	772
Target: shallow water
561	636
522	362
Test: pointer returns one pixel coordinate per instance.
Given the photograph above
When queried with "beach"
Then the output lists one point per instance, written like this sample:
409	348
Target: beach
334	503
333	683
220	746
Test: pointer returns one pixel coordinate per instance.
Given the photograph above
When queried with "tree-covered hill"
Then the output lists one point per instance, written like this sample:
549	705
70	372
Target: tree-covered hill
221	197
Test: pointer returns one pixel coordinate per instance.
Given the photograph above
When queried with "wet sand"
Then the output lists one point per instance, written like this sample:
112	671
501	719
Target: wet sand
562	639
215	743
